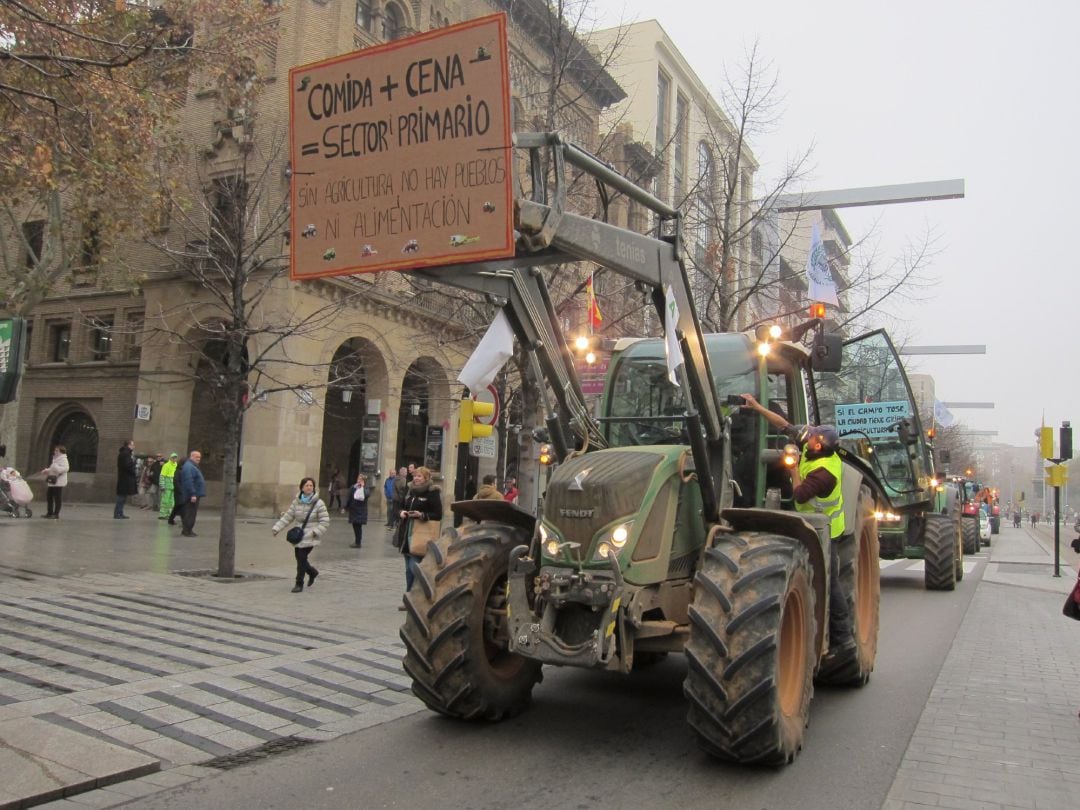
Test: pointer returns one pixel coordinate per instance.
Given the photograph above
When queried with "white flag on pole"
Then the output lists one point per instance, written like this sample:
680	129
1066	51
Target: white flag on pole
942	415
819	276
672	350
493	350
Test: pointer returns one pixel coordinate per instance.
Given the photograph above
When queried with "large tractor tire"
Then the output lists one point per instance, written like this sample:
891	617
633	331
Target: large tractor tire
939	553
455	629
851	660
970	531
751	650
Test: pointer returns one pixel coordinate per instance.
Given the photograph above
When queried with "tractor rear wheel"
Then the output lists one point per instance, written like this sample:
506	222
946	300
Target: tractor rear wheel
970	531
751	650
456	632
958	543
850	664
939	553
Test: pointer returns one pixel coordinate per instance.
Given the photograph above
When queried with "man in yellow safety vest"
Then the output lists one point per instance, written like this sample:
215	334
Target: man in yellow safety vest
816	482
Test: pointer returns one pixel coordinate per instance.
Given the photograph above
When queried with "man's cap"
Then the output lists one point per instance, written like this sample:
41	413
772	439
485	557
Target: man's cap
829	437
174	455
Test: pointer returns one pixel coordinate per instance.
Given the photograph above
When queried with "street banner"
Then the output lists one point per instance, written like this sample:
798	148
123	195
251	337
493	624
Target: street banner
491	353
821	286
672	350
400	154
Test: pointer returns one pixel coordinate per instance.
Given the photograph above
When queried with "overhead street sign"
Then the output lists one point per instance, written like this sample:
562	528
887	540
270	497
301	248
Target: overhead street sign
400	154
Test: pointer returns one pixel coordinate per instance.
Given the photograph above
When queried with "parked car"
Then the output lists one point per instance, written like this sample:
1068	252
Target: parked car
984	527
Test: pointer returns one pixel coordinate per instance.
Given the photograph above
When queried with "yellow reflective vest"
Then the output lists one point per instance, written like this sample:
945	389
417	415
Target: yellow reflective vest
832	504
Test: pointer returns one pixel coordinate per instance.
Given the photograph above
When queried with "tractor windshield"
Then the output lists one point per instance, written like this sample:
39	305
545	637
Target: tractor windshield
644	407
871	405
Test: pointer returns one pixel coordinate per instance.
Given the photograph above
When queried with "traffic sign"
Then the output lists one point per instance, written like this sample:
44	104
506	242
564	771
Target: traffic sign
488	394
484	447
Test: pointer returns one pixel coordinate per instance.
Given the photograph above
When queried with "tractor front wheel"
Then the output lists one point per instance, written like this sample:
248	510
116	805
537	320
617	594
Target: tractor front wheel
751	650
456	630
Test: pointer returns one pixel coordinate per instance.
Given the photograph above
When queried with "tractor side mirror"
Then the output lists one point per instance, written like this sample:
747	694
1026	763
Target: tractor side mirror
905	431
826	352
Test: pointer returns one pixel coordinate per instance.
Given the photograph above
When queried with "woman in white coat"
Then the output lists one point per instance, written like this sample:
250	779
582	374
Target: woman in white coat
309	511
56	478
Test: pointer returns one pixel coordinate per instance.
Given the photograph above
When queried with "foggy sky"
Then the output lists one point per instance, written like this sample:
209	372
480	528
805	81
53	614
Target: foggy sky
905	92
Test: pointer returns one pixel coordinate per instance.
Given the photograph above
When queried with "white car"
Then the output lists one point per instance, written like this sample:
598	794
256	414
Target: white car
984	527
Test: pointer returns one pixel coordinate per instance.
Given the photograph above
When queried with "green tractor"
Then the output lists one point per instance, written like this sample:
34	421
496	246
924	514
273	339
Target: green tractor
668	524
872	398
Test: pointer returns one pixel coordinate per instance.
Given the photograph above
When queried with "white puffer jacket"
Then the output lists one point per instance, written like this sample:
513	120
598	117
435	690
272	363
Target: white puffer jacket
317	524
59	468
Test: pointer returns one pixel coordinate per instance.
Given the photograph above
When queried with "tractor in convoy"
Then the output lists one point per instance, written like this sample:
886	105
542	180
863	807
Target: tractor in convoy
668	525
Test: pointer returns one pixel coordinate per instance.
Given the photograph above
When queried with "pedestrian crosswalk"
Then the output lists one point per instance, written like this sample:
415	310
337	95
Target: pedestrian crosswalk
918	566
189	679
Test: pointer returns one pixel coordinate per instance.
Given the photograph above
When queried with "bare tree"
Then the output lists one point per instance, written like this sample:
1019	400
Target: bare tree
228	240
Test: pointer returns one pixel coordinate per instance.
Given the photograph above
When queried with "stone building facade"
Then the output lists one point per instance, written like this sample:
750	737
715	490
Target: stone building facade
374	389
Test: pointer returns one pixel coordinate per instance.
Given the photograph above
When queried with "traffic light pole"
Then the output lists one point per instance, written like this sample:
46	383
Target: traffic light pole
1057	531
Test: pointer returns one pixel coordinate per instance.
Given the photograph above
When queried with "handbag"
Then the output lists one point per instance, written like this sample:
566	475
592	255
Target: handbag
51	479
296	533
421	533
1072	607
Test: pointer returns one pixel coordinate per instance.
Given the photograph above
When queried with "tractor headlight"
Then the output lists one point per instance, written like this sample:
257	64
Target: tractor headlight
549	542
620	534
615	541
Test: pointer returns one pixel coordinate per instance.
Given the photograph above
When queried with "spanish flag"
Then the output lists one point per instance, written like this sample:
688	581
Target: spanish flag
594	311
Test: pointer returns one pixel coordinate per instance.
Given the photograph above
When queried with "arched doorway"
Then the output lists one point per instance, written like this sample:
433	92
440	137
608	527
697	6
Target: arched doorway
78	433
422	416
353	412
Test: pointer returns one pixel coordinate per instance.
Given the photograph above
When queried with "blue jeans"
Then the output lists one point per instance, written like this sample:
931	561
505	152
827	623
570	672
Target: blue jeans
410	571
118	510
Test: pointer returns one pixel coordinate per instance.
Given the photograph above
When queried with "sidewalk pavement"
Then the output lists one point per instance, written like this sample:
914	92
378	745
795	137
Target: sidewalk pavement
1000	728
115	685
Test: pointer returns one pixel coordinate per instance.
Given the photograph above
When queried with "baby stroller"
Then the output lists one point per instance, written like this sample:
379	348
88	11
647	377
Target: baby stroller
15	493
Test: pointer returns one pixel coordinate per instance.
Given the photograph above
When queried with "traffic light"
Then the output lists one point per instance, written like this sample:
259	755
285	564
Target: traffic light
1065	441
817	310
468	427
546	455
1046	442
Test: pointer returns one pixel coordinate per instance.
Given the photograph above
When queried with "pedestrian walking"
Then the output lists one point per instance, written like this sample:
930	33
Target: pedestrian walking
420	522
488	491
178	501
511	492
165	485
127	482
154	463
333	490
401	489
357	508
312	518
192	489
56	478
388	496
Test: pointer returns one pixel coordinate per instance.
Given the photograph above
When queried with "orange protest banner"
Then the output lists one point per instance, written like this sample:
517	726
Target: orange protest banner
400	154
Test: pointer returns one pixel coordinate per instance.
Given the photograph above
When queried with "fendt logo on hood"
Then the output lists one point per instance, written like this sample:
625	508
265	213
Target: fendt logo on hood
577	513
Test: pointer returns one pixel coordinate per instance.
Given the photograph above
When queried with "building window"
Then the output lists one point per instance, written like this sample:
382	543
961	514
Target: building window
678	161
59	342
133	337
34	236
101	337
704	207
363	14
393	22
